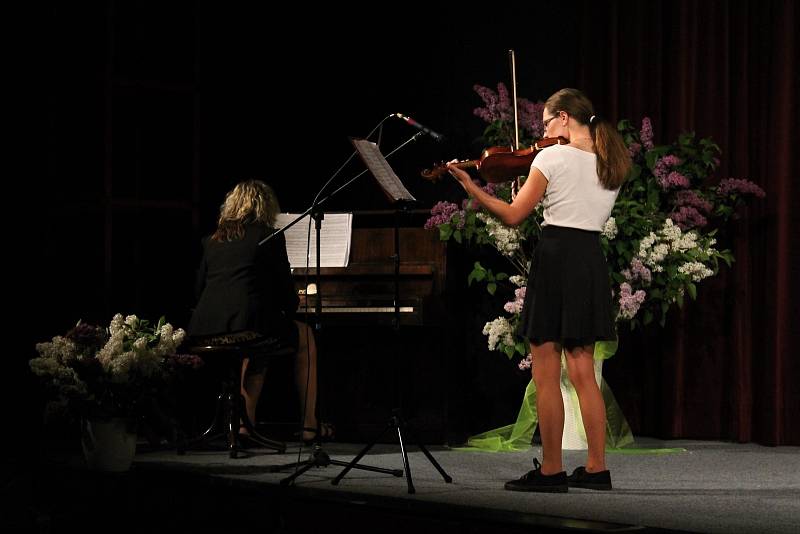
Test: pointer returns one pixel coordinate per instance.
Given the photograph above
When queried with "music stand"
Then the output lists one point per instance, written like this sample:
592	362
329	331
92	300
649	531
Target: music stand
399	196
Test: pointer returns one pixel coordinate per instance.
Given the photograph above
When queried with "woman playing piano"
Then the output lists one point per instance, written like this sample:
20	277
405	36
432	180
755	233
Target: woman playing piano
246	293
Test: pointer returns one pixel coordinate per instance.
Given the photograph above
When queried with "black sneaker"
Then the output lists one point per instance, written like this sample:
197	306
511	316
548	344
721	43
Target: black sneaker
536	481
580	478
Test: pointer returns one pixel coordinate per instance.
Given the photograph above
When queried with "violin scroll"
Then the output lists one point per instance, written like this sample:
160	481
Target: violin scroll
435	173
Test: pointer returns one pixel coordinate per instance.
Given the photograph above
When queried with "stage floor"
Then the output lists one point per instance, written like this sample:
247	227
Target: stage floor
707	487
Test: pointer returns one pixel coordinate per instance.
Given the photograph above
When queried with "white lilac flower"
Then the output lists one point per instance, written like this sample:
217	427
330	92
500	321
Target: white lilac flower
59	349
504	238
686	242
44	366
498	330
166	331
610	228
670	231
119	367
645	244
117	324
518	280
655	256
696	270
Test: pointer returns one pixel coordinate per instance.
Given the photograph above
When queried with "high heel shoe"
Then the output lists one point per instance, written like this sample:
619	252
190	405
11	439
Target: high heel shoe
324	433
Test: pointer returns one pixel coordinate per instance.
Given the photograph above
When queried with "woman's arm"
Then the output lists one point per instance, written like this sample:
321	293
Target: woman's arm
511	214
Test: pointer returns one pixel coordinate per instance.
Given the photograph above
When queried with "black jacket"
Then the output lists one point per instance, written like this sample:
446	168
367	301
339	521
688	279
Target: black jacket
244	286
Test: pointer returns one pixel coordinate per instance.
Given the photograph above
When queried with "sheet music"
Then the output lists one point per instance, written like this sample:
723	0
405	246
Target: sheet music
335	234
383	173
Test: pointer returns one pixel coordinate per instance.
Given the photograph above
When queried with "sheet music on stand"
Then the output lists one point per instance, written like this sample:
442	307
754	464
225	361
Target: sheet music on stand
383	173
335	236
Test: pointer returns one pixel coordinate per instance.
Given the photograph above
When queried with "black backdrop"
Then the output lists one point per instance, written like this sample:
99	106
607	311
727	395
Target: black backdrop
146	113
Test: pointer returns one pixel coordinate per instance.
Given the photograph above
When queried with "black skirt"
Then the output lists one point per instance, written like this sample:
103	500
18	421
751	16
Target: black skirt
568	299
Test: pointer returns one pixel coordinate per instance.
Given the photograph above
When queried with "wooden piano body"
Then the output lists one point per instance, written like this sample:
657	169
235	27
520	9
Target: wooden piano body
364	291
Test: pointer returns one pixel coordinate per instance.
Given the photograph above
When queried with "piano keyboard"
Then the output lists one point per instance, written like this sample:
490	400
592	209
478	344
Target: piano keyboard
357	309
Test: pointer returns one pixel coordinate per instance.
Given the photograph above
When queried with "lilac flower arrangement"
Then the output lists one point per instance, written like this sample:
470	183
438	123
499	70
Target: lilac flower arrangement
498	112
93	371
669	212
659	241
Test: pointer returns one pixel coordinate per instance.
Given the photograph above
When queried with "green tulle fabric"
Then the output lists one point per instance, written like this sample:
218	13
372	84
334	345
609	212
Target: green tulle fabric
517	436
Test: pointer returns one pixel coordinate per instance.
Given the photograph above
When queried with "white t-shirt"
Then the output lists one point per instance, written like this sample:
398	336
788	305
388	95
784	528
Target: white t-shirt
574	196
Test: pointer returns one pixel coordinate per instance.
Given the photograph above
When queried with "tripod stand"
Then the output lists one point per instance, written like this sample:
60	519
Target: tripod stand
399	196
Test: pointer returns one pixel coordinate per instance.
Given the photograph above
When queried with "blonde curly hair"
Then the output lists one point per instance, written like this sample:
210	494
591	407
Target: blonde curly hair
249	202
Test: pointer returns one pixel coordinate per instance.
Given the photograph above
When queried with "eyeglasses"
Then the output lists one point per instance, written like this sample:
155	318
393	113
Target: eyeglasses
546	122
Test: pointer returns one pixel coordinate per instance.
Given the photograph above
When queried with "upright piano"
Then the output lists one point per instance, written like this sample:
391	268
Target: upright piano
364	291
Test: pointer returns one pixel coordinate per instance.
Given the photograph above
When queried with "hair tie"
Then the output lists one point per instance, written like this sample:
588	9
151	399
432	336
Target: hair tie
591	119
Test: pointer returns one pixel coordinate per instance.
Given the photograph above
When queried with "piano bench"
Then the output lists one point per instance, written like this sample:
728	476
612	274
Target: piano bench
230	415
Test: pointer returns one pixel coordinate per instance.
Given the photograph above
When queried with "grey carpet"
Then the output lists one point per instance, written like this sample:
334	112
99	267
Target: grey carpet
711	487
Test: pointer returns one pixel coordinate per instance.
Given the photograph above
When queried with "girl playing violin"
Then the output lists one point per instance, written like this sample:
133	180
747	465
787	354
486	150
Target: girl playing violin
568	299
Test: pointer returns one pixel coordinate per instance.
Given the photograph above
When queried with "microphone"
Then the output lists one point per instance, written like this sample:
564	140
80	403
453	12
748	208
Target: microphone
419	127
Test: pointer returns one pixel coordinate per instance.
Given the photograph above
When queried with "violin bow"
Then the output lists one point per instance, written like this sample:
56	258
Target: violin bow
515	183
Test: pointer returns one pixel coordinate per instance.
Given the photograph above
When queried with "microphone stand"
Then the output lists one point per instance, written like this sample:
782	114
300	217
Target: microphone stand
319	458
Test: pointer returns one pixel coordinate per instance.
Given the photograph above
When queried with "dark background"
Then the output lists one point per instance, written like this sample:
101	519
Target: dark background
144	114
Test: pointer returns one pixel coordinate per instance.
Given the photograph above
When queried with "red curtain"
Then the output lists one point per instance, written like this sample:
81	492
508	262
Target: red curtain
726	366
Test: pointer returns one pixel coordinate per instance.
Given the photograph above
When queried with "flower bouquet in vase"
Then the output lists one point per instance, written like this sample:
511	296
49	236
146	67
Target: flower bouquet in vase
107	379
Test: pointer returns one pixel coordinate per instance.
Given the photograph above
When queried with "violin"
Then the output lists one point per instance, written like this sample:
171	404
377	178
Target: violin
499	163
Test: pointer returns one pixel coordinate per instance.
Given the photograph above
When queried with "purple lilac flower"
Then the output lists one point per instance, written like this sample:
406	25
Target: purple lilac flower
687	217
638	271
88	338
461	220
646	134
498	106
186	360
634	149
629	302
488	113
491	189
664	164
504	105
530	117
441	213
693	199
662	170
526	363
739	186
515	306
674	180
